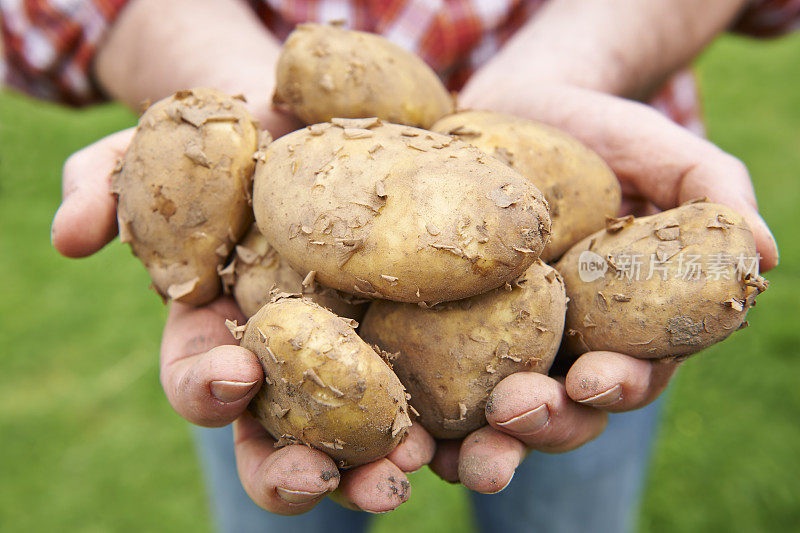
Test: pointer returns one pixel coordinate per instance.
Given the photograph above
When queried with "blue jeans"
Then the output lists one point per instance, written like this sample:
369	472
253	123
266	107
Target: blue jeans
595	488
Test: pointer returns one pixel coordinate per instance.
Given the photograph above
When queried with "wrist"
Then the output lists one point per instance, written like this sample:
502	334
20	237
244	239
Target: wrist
616	47
155	48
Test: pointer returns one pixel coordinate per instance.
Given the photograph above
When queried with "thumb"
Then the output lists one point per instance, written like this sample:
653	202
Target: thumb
725	180
664	162
87	218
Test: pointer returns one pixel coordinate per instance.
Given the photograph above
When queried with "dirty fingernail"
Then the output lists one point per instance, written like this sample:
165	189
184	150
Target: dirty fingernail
501	489
605	398
298	496
528	422
231	391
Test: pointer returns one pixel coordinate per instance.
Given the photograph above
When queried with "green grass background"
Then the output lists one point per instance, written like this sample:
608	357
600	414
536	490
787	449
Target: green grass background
88	442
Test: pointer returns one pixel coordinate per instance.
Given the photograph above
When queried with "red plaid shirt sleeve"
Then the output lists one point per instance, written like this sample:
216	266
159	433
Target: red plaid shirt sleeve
769	18
49	46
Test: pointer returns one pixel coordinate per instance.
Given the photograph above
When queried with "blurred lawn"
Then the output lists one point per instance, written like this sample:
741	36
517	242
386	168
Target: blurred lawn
90	444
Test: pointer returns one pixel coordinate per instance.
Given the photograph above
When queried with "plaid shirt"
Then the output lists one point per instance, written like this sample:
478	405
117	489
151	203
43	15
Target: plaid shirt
49	44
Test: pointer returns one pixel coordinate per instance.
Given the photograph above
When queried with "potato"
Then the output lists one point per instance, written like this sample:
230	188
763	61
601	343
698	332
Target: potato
665	285
451	356
327	71
257	269
325	387
184	190
394	212
579	187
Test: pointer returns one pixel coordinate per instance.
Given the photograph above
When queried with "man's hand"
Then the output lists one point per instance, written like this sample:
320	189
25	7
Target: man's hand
549	71
209	380
660	165
623	47
153	49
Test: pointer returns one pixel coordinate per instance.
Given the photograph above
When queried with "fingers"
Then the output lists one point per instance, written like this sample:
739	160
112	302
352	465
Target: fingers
207	379
415	451
636	205
617	382
725	180
287	481
536	410
445	460
376	487
488	460
209	382
87	218
524	410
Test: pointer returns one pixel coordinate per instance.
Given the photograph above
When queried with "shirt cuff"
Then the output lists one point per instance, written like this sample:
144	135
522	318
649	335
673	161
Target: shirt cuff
49	46
768	18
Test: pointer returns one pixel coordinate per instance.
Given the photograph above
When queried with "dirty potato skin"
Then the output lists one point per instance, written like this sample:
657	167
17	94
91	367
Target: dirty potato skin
327	71
257	269
451	356
325	387
394	212
578	185
656	318
184	190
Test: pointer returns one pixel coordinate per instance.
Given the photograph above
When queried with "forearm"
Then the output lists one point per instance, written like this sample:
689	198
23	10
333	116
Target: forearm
622	47
157	47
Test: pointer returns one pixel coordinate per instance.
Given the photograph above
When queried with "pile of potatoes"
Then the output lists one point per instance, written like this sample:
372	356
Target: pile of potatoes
442	242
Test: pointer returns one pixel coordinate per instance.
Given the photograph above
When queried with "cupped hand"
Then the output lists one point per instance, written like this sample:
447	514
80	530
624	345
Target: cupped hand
209	380
525	411
660	165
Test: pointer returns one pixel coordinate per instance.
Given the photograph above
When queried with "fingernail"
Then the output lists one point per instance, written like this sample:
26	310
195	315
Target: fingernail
231	391
605	398
777	250
501	489
298	496
772	238
53	225
529	422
